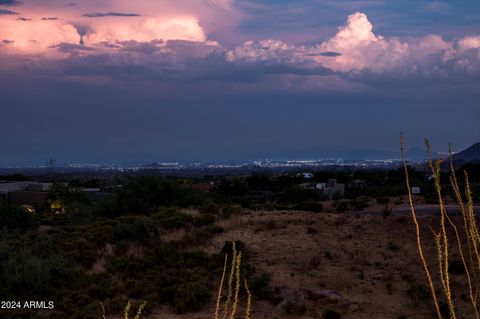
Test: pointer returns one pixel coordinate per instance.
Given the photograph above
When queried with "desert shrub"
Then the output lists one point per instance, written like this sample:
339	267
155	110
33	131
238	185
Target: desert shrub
190	295
389	286
209	208
295	195
78	249
62	197
143	194
194	238
360	203
383	200
239	246
204	220
14	217
296	307
107	207
387	211
134	228
215	229
418	293
102	286
260	285
170	218
444	308
43	246
331	314
392	246
229	211
27	275
80	213
341	206
311	206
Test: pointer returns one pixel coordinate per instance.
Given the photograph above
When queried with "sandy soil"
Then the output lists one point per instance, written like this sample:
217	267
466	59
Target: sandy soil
368	260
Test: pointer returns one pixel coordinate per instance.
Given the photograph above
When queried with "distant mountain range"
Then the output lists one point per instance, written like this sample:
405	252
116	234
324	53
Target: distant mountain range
471	154
346	153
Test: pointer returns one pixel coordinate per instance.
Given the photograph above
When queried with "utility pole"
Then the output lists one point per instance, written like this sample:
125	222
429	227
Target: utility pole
50	168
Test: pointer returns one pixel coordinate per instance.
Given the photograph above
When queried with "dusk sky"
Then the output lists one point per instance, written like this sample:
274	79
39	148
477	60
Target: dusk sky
118	80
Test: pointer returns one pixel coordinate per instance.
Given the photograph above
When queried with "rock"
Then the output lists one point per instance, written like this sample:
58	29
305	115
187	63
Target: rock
317	293
293	301
352	307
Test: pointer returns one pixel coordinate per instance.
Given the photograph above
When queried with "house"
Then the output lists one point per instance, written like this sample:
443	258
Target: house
25	193
331	188
416	190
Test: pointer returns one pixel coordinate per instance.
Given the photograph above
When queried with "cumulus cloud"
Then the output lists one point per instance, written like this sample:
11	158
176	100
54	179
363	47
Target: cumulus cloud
149	29
356	48
166	20
36	36
176	48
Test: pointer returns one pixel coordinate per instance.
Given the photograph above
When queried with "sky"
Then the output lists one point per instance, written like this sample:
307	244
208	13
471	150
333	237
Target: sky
197	80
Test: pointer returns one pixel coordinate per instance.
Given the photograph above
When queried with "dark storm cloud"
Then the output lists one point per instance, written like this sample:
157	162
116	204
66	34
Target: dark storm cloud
7	12
110	14
49	18
172	62
8	41
23	19
10	3
71	48
330	54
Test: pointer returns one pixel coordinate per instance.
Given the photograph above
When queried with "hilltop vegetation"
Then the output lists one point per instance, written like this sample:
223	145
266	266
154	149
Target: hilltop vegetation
163	240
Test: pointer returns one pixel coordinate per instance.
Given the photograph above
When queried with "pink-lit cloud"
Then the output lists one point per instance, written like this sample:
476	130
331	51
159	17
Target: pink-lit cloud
355	47
171	42
91	22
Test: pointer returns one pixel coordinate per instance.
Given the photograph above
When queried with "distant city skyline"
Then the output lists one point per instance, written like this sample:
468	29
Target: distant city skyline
114	81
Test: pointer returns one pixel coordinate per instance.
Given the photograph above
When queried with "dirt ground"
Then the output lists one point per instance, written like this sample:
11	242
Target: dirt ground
362	263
